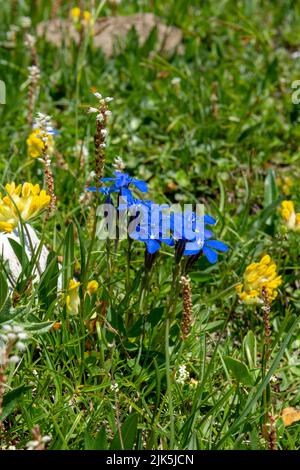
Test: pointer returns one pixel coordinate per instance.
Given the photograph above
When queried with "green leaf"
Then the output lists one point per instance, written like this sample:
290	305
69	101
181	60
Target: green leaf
20	252
261	219
82	248
136	329
39	328
199	276
128	431
258	391
5	312
250	349
99	443
68	257
3	290
271	191
155	316
48	282
10	400
88	442
239	371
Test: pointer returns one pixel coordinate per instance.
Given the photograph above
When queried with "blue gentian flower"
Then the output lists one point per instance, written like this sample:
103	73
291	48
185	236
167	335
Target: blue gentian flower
192	244
121	183
147	230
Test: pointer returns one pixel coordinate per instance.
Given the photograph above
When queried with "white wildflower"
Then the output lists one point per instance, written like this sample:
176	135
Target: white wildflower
176	81
114	387
118	164
14	359
183	375
99	117
25	22
30	40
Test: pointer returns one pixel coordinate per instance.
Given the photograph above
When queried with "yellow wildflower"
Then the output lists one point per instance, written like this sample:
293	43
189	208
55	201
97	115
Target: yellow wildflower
92	287
56	326
24	201
285	183
87	17
81	18
75	13
290	218
256	277
72	297
36	145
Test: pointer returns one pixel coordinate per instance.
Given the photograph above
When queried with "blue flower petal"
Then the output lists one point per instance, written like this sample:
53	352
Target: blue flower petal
140	185
188	252
152	246
217	245
126	193
207	234
167	241
211	255
209	220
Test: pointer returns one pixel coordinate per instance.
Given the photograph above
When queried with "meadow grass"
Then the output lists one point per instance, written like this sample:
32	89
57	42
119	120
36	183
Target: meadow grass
224	133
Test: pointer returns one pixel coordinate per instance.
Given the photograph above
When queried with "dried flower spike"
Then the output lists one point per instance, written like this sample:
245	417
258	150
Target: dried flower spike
33	78
44	126
101	133
187	316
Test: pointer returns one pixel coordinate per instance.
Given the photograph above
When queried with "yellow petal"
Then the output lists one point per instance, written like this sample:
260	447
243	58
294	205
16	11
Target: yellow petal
92	287
290	415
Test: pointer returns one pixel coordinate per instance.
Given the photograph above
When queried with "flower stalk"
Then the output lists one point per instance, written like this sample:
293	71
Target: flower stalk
33	78
103	113
187	316
43	125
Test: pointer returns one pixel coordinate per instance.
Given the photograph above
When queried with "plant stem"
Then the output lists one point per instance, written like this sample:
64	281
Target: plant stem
169	377
269	436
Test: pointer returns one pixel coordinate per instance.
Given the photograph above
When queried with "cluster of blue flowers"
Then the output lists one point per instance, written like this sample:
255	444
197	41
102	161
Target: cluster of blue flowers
187	242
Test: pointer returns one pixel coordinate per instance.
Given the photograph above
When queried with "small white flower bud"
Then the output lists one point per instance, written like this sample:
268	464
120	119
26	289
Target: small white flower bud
14	359
17	329
11	336
98	95
22	336
7	327
20	346
25	22
114	387
92	110
175	81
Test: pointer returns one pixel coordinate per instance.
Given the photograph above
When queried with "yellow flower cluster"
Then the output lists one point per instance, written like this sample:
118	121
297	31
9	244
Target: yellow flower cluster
72	297
24	201
285	183
92	287
36	144
76	14
290	217
256	277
